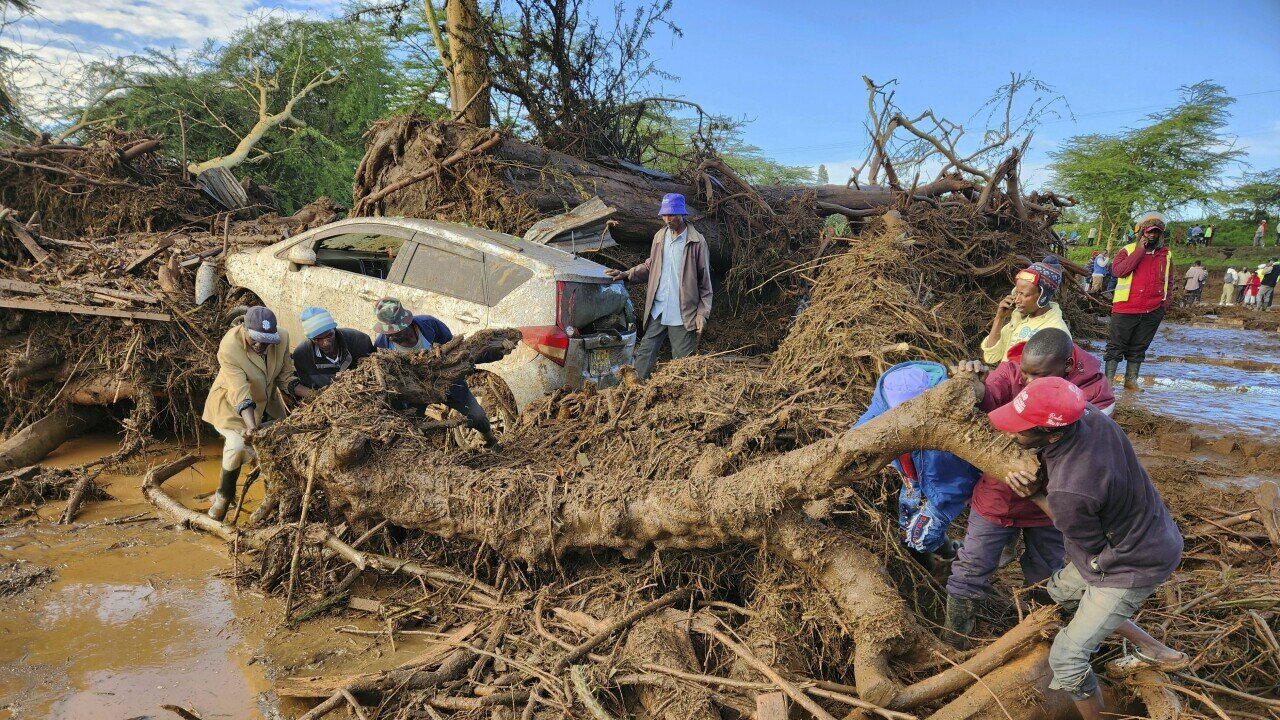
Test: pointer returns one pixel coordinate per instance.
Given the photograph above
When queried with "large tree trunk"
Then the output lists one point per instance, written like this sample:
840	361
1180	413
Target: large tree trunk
538	183
31	444
470	63
630	514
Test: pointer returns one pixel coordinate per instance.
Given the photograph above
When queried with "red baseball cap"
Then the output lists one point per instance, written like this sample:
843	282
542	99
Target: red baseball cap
1045	402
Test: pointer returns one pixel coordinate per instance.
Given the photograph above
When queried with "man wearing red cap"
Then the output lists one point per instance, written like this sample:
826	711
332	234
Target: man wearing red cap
999	517
678	300
1121	542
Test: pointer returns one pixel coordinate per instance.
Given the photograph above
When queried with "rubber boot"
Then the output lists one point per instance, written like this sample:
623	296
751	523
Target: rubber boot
1112	365
960	620
1131	370
926	560
226	493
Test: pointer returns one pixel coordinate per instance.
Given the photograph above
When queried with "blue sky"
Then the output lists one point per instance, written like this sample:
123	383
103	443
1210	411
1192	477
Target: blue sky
795	68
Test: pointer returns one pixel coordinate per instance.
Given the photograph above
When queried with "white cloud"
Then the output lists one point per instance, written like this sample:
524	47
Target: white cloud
190	22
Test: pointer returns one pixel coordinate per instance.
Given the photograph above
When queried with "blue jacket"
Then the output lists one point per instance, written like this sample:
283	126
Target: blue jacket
432	329
944	480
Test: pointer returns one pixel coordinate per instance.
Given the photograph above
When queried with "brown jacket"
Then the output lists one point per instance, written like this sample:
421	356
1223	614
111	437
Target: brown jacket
244	375
695	277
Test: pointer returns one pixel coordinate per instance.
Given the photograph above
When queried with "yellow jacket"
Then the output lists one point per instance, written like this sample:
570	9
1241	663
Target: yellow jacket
244	376
1020	328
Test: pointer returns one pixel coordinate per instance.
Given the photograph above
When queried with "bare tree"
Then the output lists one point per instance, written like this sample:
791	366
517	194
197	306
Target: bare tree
902	146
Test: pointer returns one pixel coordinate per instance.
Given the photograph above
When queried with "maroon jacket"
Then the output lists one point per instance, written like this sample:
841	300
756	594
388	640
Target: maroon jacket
992	499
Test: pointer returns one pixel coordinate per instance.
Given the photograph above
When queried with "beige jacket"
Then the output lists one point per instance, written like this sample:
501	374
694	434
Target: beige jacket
243	375
695	277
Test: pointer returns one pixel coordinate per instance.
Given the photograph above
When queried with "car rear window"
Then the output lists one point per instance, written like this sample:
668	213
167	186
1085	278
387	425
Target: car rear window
596	307
502	277
437	267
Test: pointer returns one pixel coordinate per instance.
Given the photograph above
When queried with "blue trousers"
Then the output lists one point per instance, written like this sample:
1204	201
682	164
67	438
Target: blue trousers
978	560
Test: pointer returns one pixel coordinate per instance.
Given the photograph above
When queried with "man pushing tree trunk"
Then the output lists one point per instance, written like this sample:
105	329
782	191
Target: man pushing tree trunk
1120	539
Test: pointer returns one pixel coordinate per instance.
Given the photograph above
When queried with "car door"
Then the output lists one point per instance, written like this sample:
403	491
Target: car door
354	266
446	280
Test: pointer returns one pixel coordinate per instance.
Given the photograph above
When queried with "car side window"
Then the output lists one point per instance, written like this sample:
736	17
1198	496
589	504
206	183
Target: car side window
438	267
367	253
502	277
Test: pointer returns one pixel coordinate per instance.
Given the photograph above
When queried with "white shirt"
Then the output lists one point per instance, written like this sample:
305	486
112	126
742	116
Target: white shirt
666	300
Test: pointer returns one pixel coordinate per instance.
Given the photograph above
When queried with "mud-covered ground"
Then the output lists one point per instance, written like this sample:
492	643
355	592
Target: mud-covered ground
121	614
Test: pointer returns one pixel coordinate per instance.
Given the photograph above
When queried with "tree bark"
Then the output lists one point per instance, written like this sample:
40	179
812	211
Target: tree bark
470	63
31	444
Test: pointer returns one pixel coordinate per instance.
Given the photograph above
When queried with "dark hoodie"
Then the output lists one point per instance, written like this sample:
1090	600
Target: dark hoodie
1118	531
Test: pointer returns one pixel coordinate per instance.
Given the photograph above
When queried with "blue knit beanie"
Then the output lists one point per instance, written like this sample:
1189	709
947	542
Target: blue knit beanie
317	321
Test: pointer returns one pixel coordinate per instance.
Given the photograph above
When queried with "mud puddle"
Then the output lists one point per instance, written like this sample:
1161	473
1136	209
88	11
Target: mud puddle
1226	380
140	614
137	615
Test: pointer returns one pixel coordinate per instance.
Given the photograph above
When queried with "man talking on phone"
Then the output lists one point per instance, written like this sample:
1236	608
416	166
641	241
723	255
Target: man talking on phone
1141	269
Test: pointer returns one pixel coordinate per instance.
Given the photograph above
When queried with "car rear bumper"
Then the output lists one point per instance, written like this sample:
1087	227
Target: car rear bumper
597	359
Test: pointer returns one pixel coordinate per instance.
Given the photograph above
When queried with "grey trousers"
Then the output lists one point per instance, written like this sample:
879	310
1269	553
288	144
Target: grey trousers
683	344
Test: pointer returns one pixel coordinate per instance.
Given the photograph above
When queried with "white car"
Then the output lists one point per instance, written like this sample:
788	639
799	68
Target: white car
578	325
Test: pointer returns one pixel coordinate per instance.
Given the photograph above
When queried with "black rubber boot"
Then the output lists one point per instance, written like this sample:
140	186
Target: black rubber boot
1112	365
926	560
225	496
1131	370
960	620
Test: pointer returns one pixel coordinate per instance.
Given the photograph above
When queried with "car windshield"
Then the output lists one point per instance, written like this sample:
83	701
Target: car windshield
596	307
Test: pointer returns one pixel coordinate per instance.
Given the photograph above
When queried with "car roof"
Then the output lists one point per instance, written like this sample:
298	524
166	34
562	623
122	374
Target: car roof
563	264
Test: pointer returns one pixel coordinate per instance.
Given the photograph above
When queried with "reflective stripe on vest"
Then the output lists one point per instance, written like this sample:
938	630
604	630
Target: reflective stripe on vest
1124	284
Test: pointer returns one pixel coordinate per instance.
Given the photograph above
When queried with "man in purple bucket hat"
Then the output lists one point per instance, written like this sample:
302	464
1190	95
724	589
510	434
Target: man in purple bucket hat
677	301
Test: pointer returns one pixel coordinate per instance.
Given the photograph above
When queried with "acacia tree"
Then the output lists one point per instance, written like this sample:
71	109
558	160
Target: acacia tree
823	178
287	99
12	124
1174	160
1258	194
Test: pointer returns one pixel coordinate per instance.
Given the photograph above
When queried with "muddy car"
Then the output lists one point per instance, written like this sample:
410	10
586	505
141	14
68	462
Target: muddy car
578	326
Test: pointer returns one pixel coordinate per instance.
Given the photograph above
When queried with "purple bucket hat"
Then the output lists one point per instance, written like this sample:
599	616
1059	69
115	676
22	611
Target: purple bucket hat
672	204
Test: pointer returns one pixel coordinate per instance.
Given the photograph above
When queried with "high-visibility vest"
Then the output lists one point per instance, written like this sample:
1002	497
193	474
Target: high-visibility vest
1124	284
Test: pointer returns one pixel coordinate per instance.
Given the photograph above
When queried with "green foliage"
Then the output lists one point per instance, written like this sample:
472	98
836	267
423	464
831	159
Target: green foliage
1175	160
823	178
216	94
1256	196
675	139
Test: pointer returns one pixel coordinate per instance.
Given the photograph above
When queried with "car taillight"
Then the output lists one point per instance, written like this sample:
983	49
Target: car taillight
548	340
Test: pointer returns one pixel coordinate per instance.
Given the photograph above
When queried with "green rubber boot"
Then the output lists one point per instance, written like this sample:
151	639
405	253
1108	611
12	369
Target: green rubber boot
1131	374
960	620
1112	366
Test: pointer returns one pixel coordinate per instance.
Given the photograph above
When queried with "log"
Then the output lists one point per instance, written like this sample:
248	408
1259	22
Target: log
43	306
146	255
1019	690
28	241
323	686
33	443
663	639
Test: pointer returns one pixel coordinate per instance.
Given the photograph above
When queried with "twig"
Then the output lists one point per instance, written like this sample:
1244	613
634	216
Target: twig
707	627
626	621
355	706
297	538
981	682
586	695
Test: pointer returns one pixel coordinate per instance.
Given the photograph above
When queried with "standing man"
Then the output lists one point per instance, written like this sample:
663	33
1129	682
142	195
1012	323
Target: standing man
1228	288
998	516
1093	236
1120	539
1196	276
328	349
1142	295
1027	309
678	299
1267	286
1208	236
1260	235
401	331
1242	282
254	367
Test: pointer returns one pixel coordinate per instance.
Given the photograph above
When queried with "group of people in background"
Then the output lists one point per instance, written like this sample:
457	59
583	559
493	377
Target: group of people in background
1254	289
1092	527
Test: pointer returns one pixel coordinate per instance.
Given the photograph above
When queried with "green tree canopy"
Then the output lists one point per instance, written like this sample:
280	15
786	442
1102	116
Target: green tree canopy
823	177
216	96
1176	159
1256	196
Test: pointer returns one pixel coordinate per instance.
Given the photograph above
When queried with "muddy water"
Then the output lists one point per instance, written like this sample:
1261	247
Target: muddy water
136	617
1222	378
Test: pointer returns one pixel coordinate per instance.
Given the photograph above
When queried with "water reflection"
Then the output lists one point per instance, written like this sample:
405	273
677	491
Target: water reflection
1222	377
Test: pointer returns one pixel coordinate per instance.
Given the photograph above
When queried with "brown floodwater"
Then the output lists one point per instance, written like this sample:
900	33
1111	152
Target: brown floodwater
142	614
137	616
